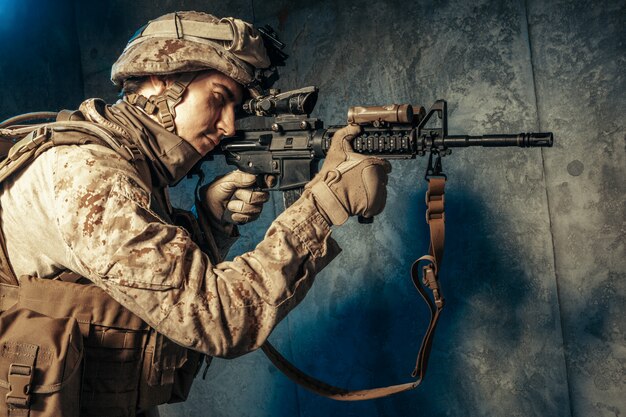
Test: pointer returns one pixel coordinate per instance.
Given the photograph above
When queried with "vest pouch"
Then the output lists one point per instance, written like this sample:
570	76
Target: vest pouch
40	365
184	377
168	372
114	342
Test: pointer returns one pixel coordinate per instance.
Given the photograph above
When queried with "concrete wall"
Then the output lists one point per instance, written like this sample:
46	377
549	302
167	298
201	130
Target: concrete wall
579	56
534	273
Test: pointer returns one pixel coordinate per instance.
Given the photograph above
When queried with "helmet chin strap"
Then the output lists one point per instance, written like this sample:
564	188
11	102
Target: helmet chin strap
164	104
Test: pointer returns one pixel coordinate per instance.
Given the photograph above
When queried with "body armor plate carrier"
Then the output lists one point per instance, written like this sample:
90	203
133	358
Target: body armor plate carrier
66	347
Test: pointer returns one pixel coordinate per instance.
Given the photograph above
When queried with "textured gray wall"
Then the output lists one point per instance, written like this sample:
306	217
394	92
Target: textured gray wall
579	58
534	272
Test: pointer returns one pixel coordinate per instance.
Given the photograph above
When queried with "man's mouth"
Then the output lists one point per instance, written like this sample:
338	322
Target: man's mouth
214	141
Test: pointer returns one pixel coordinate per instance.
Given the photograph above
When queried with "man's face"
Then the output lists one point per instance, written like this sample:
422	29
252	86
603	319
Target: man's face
207	112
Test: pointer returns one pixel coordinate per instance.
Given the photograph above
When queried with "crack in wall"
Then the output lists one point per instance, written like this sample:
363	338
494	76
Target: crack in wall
543	166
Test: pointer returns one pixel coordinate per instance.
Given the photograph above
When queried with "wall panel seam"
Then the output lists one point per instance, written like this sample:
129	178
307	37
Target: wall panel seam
547	196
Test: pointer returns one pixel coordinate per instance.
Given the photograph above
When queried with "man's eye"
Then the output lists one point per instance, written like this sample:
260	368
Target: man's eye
219	97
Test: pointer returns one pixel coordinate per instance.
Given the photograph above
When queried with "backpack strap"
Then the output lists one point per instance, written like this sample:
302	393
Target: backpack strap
42	137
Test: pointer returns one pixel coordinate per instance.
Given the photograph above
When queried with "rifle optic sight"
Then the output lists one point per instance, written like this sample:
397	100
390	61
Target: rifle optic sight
293	102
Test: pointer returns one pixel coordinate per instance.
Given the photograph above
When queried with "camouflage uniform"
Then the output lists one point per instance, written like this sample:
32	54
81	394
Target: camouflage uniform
87	209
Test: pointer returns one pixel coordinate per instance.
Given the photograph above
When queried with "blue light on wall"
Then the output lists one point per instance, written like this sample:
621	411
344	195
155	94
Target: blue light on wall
8	15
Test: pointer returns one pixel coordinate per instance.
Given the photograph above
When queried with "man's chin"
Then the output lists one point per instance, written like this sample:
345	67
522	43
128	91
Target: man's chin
208	144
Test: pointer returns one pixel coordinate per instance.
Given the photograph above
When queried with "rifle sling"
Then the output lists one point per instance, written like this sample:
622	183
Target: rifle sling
436	222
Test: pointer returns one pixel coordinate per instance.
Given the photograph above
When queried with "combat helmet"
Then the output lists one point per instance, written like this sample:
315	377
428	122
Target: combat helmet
187	42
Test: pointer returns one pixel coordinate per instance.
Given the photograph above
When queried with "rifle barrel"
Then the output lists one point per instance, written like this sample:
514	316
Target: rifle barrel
523	140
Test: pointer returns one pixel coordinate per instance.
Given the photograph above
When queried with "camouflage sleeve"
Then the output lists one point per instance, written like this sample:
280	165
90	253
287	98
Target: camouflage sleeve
220	241
159	273
215	243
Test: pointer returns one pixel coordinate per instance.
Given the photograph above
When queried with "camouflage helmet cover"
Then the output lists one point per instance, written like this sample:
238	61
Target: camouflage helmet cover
194	41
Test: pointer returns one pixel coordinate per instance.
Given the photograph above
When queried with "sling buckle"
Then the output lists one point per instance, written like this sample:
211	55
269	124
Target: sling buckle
20	379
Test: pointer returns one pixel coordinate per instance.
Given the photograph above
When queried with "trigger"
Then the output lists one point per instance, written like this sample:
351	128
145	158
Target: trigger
270	180
263	182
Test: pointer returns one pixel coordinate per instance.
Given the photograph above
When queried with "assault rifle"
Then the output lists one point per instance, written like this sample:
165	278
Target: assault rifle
286	145
285	150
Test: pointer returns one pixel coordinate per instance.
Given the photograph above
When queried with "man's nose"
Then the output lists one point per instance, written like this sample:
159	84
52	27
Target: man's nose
226	123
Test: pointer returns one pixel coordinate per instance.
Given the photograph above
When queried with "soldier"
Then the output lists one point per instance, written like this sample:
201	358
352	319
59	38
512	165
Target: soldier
89	231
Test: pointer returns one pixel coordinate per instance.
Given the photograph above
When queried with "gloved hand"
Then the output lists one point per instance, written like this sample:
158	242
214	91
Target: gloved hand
232	191
349	183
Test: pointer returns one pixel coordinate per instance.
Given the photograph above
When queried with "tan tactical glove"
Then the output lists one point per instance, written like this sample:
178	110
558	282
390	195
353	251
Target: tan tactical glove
349	183
233	192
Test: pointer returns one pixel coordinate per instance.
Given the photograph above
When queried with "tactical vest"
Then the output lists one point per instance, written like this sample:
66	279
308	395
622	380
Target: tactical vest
68	349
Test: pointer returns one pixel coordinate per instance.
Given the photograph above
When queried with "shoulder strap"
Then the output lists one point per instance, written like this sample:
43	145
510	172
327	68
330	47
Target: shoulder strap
435	219
42	137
